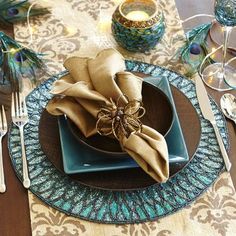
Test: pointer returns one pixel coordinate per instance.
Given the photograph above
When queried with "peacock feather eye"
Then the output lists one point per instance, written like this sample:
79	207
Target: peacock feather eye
20	57
17	61
195	48
12	11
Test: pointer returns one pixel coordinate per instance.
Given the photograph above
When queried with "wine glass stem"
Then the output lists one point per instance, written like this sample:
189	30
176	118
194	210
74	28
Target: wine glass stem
227	31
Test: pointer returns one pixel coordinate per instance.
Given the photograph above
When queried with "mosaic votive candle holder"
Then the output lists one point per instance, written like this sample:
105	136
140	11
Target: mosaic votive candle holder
138	25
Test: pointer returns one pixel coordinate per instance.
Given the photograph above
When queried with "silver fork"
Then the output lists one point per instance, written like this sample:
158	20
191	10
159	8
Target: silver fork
3	131
19	116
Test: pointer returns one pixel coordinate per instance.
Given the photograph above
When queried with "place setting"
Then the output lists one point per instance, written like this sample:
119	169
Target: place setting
115	140
47	182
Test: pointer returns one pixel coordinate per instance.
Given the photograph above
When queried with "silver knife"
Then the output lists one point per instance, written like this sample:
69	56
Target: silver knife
207	113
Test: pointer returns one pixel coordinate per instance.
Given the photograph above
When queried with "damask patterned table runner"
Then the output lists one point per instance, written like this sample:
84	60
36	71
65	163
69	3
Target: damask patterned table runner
81	27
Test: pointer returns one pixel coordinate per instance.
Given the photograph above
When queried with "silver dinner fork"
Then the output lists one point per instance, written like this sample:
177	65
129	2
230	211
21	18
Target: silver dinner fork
3	131
20	118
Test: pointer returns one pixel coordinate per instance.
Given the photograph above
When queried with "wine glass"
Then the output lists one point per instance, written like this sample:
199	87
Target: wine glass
221	76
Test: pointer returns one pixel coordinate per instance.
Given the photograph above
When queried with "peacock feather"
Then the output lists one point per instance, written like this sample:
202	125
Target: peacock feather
17	61
195	49
14	10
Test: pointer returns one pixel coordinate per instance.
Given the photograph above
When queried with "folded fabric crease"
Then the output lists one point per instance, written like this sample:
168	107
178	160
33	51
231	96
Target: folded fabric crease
91	85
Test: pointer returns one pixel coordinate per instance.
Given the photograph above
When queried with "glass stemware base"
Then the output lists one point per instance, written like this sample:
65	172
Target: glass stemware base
217	80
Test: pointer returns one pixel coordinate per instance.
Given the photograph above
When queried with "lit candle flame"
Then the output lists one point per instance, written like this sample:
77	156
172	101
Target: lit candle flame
137	16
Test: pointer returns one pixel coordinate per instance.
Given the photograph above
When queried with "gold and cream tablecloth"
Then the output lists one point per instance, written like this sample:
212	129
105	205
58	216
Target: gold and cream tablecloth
82	28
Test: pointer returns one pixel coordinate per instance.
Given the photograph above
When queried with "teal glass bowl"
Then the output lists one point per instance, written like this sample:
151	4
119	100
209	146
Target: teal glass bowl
138	35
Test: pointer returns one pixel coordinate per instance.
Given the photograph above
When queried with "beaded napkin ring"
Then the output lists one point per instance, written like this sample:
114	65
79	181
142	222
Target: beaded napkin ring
120	120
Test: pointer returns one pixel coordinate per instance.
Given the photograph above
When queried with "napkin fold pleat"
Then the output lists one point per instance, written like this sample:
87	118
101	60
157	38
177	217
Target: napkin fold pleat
103	74
96	83
69	106
147	149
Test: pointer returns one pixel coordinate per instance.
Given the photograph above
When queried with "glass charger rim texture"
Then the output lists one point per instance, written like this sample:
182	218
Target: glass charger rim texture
95	141
178	155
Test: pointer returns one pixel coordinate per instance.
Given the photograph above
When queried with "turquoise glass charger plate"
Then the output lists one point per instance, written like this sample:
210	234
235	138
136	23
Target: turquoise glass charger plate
79	159
132	206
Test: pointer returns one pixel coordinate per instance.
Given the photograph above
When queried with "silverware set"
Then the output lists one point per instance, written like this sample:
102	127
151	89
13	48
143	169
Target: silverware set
19	117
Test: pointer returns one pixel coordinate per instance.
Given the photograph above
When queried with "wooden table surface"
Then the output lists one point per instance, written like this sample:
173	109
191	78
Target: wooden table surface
14	209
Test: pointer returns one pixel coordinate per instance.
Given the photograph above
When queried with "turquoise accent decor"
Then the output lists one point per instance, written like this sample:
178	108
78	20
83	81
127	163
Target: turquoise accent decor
142	31
17	61
138	39
225	12
58	190
12	11
195	49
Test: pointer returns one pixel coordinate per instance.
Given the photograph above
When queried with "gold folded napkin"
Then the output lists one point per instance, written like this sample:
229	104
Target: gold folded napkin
93	90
